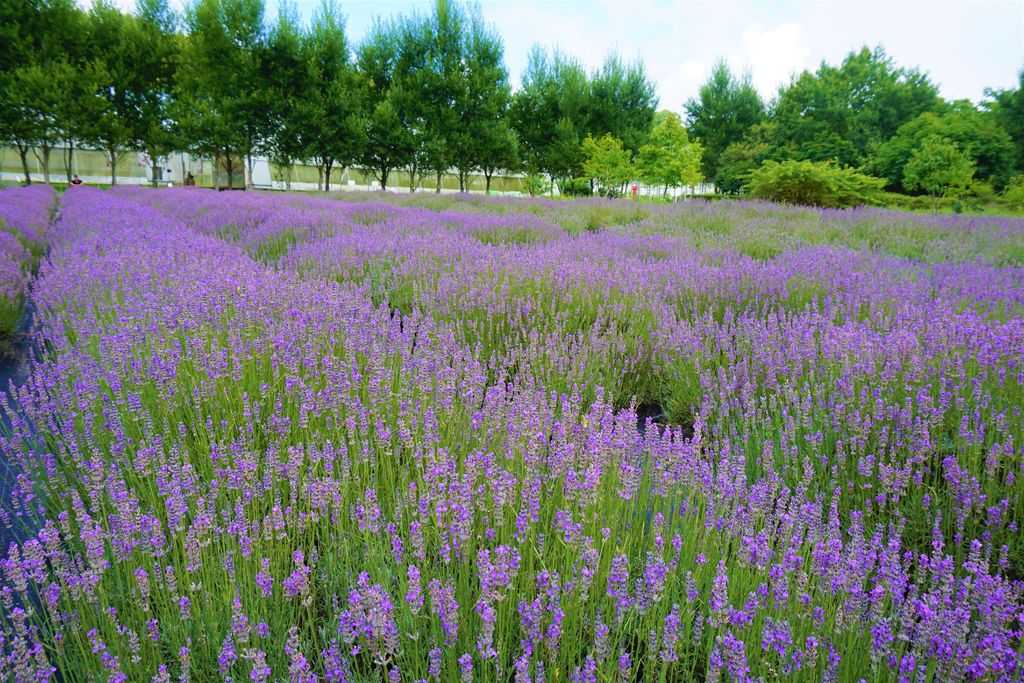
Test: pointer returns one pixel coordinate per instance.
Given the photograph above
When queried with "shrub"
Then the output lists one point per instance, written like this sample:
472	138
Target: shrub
579	187
534	185
815	184
1014	195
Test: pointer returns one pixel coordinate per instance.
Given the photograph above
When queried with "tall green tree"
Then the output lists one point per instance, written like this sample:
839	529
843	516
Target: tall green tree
669	159
156	63
41	92
389	142
218	104
41	85
113	117
284	76
845	113
1008	108
560	104
498	150
622	103
484	140
433	81
726	108
937	167
333	128
550	113
17	126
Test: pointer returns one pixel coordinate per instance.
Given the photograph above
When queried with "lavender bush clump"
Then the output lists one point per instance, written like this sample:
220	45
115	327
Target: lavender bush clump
312	439
24	214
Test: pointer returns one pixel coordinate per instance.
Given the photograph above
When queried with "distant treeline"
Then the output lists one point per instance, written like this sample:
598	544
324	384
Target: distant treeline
430	94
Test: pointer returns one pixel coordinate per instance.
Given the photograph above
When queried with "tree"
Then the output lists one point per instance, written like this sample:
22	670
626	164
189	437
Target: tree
499	150
564	154
559	104
1008	108
112	117
622	103
40	92
607	162
389	143
725	109
16	124
550	114
976	133
434	84
844	113
669	159
937	167
156	63
41	44
484	140
332	125
218	106
284	80
743	157
247	105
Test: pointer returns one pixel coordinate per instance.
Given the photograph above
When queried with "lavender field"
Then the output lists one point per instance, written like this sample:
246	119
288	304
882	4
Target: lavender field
291	438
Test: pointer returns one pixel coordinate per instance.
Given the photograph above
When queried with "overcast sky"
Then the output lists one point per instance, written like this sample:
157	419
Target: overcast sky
964	45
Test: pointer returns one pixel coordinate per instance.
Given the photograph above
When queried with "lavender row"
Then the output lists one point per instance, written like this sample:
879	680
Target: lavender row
24	214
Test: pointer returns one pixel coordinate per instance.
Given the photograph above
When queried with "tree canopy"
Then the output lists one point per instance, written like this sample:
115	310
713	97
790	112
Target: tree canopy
725	109
843	113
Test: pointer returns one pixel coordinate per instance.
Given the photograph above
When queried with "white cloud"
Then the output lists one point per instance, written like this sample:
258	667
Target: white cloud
774	55
681	84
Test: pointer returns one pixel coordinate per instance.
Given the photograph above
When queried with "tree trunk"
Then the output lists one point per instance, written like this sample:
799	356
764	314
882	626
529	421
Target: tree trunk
487	182
248	177
112	153
69	157
23	152
288	176
43	157
229	167
384	172
328	165
153	166
437	189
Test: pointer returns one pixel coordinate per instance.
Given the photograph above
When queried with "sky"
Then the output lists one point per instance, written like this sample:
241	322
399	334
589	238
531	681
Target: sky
964	45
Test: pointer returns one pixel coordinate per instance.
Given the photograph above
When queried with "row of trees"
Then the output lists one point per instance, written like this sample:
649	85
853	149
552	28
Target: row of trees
867	114
430	94
97	78
424	94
